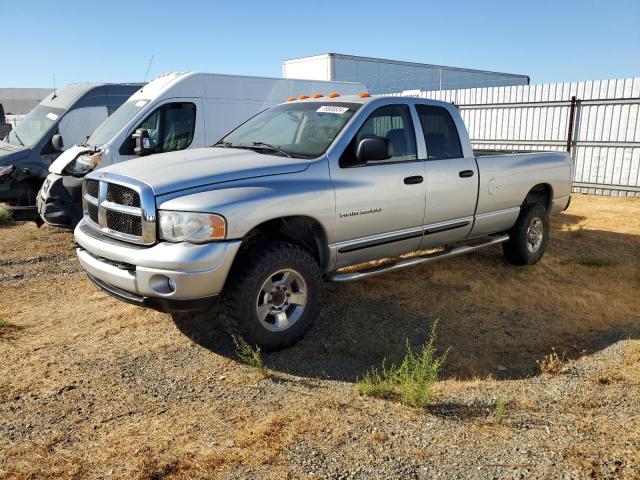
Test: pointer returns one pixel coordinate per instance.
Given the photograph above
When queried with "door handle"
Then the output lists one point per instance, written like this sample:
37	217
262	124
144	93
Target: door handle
414	180
466	173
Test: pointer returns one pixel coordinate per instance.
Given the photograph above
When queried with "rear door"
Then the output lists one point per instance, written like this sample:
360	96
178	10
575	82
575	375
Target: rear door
380	205
451	179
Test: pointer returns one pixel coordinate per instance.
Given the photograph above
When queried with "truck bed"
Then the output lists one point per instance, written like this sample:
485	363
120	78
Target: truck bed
483	152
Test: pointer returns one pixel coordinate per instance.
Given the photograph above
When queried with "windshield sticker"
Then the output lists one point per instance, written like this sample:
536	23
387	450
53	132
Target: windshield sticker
141	103
52	116
332	109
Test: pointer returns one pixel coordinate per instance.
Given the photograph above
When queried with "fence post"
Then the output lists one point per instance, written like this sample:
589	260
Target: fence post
572	115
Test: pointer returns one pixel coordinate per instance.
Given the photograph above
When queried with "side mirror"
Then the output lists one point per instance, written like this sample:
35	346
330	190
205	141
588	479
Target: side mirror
373	149
142	142
57	143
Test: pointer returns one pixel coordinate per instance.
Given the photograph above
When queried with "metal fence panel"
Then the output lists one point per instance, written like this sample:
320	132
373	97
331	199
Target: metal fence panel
604	130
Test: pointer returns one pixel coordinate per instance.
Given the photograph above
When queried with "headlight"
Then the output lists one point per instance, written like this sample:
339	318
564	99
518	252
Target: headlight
85	164
191	227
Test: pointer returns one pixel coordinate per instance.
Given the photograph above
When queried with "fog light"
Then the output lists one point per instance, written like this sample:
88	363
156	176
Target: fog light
162	284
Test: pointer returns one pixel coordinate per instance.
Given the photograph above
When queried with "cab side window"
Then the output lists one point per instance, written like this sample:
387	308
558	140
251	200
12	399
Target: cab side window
171	127
179	125
391	122
440	133
152	125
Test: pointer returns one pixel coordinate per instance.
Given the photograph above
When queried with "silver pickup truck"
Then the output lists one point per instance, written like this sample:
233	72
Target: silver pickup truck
301	191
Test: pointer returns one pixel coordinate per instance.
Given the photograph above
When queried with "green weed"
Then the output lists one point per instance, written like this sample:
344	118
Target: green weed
412	380
250	356
5	215
500	409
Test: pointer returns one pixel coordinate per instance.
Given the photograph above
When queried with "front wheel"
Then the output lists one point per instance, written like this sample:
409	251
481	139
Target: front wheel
529	237
272	295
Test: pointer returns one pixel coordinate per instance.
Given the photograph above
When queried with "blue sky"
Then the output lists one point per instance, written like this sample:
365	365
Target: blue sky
113	40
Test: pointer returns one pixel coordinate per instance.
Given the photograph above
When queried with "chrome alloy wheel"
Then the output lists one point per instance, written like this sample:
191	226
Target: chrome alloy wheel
281	300
535	234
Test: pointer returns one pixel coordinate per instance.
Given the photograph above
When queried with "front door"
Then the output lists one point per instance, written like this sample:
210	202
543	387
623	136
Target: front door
380	205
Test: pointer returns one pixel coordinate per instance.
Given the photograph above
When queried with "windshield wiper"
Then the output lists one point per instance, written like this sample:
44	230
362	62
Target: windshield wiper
231	145
17	137
260	145
271	147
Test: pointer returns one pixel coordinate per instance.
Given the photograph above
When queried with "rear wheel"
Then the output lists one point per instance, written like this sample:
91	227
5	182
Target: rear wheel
272	294
529	236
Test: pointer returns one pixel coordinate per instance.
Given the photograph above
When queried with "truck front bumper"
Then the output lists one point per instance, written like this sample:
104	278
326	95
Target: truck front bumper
166	276
59	200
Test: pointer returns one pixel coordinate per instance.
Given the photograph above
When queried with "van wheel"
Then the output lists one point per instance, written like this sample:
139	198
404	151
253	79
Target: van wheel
272	294
529	236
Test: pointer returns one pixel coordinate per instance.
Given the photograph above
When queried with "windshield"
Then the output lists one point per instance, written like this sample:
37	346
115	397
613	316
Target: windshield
116	122
301	130
30	130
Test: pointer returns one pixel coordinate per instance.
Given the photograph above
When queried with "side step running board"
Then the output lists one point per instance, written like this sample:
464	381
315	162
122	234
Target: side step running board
453	252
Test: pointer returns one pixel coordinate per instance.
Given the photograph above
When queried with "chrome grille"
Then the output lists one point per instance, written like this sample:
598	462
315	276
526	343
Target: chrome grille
92	188
122	195
93	212
124	223
120	207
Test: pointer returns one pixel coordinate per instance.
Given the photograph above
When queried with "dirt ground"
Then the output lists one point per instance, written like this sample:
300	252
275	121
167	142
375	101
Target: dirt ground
94	388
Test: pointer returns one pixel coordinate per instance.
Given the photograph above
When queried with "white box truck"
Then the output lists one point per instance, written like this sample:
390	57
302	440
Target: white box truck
174	112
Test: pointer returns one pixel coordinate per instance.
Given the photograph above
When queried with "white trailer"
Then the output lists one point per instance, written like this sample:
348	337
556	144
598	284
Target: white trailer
387	76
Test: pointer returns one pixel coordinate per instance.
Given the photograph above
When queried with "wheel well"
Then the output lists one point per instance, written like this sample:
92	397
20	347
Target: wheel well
303	231
540	194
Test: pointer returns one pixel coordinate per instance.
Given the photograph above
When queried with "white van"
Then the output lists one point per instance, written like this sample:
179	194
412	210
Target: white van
173	112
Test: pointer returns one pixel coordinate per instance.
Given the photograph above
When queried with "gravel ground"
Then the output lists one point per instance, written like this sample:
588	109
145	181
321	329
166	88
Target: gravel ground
94	388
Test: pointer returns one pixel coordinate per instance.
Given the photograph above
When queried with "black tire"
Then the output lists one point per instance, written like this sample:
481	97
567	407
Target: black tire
244	293
518	250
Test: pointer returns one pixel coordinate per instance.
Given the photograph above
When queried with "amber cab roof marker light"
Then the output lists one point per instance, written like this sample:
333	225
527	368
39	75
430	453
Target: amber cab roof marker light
291	99
333	95
318	95
303	97
363	95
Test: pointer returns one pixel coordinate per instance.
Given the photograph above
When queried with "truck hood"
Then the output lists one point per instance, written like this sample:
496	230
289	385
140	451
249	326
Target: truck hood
11	153
170	172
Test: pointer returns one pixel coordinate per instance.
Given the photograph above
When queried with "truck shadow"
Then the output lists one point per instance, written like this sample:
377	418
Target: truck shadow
498	319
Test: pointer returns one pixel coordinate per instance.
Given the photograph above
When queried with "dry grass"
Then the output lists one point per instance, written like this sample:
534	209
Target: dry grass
94	388
552	363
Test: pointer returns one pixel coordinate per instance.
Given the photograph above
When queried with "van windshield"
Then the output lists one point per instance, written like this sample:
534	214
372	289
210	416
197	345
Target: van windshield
30	130
300	130
115	122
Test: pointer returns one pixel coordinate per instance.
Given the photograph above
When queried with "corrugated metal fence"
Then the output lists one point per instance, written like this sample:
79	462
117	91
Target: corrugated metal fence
597	121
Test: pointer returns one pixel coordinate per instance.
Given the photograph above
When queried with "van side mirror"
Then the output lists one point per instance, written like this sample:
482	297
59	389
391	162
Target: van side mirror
57	143
373	149
142	142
